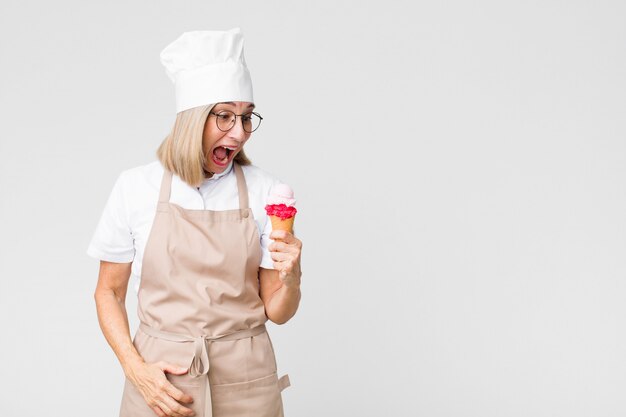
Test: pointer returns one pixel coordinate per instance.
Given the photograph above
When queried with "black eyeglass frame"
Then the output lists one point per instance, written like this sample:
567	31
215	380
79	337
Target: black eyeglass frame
235	122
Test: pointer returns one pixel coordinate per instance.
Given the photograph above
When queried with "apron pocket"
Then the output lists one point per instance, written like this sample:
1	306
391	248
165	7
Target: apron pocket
259	397
190	386
185	379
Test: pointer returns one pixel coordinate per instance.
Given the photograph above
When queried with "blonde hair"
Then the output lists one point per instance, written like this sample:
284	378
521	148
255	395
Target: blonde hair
181	151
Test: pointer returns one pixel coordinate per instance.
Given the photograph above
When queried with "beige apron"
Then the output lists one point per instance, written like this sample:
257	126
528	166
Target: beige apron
199	306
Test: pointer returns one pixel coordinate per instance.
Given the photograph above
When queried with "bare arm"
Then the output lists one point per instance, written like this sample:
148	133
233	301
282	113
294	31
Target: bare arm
280	287
110	296
150	380
281	302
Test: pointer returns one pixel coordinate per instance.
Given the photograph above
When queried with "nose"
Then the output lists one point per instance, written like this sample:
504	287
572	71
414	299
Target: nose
237	132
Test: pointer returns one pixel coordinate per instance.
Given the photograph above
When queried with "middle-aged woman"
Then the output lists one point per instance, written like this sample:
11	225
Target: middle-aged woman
192	229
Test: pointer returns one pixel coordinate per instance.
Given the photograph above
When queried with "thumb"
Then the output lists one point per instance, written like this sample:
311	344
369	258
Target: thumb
173	369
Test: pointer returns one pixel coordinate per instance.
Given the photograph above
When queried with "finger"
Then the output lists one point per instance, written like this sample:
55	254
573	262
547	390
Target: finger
158	411
277	246
281	256
177	409
171	368
283	267
281	235
290	239
178	395
284	247
167	409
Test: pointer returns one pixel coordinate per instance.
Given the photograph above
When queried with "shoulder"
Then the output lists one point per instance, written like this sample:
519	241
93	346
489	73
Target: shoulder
137	188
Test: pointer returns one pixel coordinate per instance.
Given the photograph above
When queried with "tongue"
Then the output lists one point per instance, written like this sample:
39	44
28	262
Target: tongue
220	152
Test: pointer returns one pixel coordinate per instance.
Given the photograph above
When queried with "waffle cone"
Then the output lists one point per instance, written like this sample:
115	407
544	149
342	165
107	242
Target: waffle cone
280	224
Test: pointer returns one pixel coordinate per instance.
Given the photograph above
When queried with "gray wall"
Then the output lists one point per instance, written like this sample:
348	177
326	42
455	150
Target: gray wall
460	169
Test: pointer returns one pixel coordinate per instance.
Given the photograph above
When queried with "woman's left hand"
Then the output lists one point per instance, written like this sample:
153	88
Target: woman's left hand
285	251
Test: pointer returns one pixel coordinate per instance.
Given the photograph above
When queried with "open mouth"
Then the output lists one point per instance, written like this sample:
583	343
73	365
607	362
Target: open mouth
222	154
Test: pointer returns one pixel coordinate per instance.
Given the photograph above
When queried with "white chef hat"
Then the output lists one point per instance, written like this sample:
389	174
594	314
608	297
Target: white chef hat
207	67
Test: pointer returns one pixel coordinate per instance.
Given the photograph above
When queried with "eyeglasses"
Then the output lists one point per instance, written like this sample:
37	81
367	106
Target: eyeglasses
225	120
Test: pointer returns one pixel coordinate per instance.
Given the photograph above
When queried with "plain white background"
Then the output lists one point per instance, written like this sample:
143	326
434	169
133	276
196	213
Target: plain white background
460	169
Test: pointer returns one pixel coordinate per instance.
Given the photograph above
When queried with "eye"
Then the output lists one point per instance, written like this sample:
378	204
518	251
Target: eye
247	117
224	115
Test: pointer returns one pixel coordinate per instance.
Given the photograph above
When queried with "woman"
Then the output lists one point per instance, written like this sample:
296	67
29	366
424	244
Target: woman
192	227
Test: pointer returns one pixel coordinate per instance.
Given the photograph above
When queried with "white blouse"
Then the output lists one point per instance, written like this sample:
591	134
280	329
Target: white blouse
125	224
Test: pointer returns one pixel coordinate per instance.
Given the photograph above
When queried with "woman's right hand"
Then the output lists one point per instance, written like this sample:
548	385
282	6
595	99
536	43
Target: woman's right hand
159	393
149	378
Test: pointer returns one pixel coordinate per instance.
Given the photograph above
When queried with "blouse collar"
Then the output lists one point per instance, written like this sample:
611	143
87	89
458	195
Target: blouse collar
220	175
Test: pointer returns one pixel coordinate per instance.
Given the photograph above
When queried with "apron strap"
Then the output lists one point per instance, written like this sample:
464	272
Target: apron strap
166	186
241	186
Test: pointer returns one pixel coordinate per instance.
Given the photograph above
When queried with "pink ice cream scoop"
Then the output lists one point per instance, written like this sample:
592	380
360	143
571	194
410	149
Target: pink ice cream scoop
281	194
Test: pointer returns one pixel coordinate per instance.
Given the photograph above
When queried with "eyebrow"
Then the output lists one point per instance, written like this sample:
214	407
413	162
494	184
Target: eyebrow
232	104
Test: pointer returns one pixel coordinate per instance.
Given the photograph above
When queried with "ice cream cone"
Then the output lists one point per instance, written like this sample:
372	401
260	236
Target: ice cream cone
280	224
281	207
